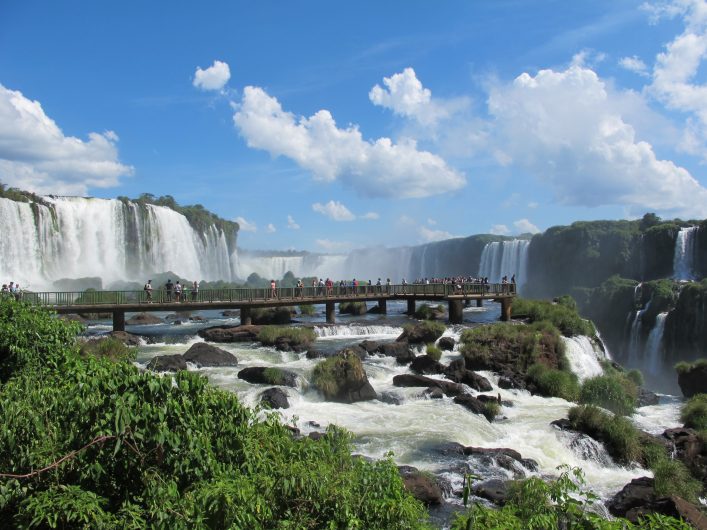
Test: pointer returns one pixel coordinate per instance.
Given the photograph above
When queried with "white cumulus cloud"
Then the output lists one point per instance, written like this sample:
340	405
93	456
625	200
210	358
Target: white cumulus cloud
428	235
334	210
246	226
499	230
566	127
525	226
214	77
634	64
35	154
370	216
291	224
379	168
270	228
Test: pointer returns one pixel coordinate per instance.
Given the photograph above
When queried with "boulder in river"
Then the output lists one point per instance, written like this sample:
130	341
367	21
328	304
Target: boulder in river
424	332
126	338
400	350
142	319
342	378
230	333
412	380
204	354
494	490
423	486
424	364
275	398
167	363
446	343
262	375
692	378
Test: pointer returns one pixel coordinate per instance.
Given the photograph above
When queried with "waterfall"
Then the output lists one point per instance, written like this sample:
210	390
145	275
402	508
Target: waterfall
72	237
634	338
505	258
684	254
583	356
654	345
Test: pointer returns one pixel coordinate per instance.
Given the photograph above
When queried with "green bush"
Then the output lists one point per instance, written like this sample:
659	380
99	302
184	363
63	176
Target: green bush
694	412
428	312
109	347
553	382
618	434
307	310
636	377
614	392
145	451
673	478
352	308
562	315
434	352
296	336
328	373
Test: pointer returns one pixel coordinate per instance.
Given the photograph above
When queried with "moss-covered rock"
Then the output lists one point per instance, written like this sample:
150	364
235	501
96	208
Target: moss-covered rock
342	378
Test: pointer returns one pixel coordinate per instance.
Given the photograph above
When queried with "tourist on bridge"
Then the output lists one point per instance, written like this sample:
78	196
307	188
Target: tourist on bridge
378	285
273	289
194	291
148	290
168	288
178	291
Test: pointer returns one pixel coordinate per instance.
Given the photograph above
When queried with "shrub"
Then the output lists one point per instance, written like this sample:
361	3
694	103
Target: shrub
636	377
618	434
615	392
694	412
352	308
269	335
109	347
673	478
307	309
491	410
328	373
553	382
434	352
428	312
562	315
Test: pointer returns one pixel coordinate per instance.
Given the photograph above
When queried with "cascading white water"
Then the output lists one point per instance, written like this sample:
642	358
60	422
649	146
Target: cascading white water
654	345
275	267
72	237
684	254
583	356
635	335
324	332
505	258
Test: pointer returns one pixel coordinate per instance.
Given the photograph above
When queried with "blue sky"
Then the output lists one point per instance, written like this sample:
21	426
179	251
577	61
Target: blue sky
328	125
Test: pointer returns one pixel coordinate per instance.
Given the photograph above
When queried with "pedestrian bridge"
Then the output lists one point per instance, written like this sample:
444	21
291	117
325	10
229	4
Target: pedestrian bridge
120	302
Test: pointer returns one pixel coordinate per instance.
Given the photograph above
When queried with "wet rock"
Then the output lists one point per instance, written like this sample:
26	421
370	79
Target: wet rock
261	375
285	344
672	506
391	398
400	350
424	364
422	486
230	333
204	354
503	456
511	381
420	334
448	449
638	492
198	318
693	380
469	402
412	380
494	490
126	338
275	398
469	378
370	346
142	319
179	315
316	435
343	379
230	313
167	363
357	350
315	354
689	448
563	424
446	343
646	398
433	393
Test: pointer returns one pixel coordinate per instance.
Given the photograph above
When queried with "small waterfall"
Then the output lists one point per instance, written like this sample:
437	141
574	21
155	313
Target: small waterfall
583	356
356	331
684	255
634	338
654	345
505	258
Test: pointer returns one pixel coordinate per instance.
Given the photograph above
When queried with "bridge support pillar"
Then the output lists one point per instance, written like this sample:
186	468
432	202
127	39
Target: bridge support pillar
506	304
246	318
480	302
118	320
456	314
411	306
467	302
330	313
382	307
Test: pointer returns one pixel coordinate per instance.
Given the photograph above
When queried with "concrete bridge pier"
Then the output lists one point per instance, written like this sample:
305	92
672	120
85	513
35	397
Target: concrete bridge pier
456	314
506	304
246	318
382	307
330	313
480	302
118	320
411	306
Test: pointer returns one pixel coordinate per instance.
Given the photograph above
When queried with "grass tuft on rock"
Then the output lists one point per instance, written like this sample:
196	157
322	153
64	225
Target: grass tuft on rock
553	382
328	373
694	412
109	348
434	352
614	391
618	434
296	336
563	315
352	308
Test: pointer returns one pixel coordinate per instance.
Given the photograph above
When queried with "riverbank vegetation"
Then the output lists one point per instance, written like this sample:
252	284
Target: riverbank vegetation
295	336
88	442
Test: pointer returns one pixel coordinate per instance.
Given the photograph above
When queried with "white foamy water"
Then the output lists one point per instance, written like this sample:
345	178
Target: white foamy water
343	331
584	356
505	258
654	345
684	254
654	419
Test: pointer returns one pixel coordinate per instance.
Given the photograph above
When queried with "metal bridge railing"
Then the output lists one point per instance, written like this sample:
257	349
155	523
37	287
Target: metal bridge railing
295	294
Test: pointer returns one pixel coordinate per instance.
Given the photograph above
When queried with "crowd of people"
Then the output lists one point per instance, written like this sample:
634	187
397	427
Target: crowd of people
13	289
180	292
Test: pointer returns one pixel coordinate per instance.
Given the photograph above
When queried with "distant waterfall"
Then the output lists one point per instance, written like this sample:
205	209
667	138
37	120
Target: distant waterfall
654	345
72	237
275	267
505	258
635	336
684	254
